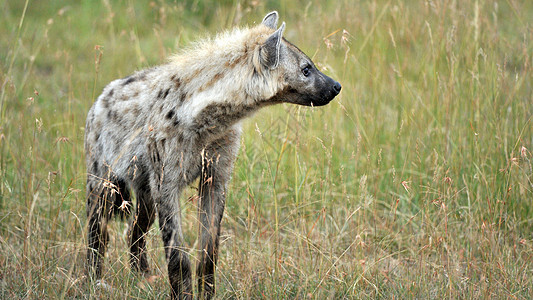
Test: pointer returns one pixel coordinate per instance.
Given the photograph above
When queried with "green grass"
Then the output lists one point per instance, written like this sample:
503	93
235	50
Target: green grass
416	182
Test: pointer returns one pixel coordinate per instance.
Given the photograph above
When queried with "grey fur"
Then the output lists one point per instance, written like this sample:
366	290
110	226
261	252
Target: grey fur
271	20
272	47
158	130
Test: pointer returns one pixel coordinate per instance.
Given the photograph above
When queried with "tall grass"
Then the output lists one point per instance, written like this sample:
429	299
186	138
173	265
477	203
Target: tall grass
416	182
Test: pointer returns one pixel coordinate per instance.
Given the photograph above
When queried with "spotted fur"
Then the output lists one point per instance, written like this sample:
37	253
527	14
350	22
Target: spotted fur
158	130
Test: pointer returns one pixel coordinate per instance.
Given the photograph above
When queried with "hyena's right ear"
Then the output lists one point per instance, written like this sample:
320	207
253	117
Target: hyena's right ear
271	20
270	50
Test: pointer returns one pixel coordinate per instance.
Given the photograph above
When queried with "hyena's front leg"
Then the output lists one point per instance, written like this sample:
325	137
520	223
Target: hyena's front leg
143	220
216	171
210	211
166	186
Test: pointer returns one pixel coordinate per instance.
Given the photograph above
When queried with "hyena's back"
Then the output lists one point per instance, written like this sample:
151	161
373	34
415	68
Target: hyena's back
122	120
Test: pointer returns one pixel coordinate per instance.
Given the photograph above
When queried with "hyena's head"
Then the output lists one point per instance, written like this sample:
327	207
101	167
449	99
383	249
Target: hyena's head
302	82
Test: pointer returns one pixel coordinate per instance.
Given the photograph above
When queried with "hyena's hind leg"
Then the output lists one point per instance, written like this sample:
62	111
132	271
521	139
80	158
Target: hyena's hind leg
142	221
97	217
178	264
105	194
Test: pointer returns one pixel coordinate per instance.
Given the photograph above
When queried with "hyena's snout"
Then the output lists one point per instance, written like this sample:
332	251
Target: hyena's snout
330	90
335	88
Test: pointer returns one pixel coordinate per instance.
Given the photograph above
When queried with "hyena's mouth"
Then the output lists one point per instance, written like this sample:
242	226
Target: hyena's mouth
320	103
328	95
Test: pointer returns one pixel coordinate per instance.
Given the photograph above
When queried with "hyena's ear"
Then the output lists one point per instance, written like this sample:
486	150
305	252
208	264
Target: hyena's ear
270	50
271	20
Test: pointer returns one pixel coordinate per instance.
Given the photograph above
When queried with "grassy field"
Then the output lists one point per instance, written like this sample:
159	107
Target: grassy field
416	182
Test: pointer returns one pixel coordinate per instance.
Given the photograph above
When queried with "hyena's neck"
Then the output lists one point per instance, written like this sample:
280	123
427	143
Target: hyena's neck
211	100
217	118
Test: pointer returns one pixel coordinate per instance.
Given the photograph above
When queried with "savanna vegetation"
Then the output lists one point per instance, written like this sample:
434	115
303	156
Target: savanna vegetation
415	182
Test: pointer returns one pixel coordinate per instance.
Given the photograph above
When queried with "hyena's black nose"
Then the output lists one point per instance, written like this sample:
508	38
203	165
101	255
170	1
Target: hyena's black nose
337	88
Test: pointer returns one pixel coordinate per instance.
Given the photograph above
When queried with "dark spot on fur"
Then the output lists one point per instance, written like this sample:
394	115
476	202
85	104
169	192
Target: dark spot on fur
176	80
238	60
170	114
163	93
195	74
136	110
212	81
183	97
176	122
217	76
105	102
95	168
180	138
113	115
129	80
110	94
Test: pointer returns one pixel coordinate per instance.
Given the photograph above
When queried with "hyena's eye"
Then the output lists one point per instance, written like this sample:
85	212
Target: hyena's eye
306	71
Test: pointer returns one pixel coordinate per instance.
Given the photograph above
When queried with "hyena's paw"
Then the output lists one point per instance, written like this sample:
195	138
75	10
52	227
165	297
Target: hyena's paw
102	285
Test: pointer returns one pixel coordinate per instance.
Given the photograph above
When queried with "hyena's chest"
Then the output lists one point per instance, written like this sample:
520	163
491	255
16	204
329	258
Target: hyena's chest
170	155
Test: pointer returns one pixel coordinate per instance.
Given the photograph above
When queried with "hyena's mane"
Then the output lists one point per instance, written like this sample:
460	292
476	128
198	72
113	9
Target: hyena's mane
231	59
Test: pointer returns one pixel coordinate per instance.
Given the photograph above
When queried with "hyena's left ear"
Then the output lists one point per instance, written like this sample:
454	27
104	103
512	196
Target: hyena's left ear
270	50
271	20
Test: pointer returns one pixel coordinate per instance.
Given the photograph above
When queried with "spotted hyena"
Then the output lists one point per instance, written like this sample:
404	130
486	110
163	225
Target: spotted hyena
158	130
